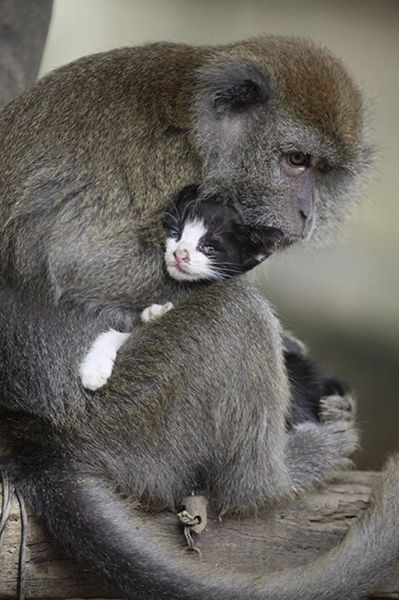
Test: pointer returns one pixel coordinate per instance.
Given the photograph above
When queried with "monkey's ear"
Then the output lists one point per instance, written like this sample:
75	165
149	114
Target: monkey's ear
239	97
232	91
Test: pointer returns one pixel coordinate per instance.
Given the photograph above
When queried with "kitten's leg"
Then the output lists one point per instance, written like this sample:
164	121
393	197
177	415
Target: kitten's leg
155	311
96	367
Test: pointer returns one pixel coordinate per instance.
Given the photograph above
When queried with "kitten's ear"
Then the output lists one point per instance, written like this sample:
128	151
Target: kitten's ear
258	245
232	93
253	260
186	198
187	194
181	202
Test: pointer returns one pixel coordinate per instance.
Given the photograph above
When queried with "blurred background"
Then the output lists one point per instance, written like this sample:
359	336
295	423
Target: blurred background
341	300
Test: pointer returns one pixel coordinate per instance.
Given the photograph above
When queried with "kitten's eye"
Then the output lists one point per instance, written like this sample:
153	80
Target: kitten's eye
173	232
208	250
298	159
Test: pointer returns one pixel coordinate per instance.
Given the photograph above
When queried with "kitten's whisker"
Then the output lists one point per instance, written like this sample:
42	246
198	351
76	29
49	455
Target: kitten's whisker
173	203
228	271
226	262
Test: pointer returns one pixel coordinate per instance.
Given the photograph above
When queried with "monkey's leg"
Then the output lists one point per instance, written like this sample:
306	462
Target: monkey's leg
250	445
314	450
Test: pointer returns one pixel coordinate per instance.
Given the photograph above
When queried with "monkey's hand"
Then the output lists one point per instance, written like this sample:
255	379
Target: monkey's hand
155	311
316	449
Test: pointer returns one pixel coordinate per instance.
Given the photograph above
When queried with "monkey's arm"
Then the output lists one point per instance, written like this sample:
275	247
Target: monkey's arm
221	353
96	367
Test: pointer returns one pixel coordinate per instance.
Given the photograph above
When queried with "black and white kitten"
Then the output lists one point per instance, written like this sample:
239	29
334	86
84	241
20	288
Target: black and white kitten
205	240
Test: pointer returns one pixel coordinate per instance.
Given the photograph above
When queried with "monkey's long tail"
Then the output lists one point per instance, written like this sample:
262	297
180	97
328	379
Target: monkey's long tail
98	527
355	567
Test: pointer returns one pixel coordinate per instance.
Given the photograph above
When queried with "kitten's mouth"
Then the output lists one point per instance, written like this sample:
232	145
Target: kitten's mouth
177	272
179	267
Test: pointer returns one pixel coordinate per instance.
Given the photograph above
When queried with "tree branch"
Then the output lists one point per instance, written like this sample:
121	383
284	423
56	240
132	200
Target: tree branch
287	537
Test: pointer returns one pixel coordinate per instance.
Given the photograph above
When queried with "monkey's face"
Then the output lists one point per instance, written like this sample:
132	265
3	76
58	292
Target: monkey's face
280	130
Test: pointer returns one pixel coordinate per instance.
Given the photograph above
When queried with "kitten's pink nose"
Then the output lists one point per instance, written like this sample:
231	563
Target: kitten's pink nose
180	255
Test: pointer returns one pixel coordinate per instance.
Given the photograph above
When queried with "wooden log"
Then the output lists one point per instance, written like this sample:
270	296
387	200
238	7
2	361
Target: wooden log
289	536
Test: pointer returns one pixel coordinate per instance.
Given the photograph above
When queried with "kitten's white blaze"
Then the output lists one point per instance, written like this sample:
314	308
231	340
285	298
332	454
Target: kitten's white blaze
197	266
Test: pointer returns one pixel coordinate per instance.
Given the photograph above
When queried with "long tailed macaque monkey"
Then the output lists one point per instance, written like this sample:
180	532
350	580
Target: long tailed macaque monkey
91	157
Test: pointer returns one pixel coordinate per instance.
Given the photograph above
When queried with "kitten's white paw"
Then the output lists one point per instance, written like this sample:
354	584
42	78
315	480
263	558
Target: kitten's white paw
96	367
95	372
155	311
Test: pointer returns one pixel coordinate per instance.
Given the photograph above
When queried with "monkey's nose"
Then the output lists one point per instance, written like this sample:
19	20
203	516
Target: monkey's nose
181	255
305	207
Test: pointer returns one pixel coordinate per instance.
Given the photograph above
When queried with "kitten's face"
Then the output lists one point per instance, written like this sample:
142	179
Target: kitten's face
205	242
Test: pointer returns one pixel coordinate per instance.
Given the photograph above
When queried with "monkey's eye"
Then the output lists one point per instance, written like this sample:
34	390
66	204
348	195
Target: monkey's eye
173	232
298	159
208	249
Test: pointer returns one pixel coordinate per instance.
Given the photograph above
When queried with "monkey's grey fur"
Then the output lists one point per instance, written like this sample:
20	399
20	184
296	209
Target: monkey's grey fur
91	156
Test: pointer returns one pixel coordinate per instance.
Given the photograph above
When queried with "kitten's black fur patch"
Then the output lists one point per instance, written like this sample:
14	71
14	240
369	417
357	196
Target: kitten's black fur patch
308	386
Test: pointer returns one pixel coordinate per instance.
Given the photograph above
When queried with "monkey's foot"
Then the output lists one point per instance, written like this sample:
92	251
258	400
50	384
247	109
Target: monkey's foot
338	408
155	311
337	413
344	438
